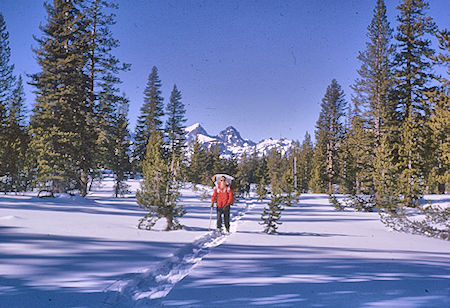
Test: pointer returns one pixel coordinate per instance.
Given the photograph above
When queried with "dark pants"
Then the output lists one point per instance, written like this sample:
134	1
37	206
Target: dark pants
226	217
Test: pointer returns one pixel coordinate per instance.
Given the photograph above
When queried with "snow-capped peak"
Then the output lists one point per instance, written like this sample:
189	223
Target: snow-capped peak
193	127
197	130
231	142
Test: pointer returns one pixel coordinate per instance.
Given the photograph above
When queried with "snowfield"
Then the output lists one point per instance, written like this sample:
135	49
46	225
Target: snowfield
75	252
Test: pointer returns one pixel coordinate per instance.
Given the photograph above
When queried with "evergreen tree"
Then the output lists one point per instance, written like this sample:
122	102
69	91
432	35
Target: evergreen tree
253	164
261	169
17	139
7	81
230	166
412	78
159	188
196	169
119	145
374	84
215	163
175	125
353	154
102	70
304	164
318	183
272	214
244	172
149	121
275	169
287	183
62	124
369	120
329	134
261	190
439	178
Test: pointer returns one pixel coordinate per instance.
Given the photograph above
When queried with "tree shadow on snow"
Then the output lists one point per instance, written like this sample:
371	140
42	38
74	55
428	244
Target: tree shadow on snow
293	276
69	271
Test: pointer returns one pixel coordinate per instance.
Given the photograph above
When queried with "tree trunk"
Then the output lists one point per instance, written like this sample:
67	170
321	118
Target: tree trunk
83	184
169	223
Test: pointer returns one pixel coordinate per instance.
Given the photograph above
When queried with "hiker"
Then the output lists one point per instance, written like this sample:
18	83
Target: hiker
247	190
223	196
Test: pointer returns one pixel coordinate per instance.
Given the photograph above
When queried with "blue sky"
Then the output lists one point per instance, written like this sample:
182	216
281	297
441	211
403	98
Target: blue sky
260	66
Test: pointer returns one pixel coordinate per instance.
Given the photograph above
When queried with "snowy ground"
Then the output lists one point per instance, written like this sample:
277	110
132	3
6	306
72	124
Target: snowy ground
75	252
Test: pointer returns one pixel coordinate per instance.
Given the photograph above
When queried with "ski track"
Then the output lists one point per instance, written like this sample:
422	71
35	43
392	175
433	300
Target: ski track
152	285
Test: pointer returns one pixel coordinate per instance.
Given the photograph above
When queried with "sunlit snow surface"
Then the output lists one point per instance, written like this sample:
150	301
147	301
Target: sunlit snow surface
75	252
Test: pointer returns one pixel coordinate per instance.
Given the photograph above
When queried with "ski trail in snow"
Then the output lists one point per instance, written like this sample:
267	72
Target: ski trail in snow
142	289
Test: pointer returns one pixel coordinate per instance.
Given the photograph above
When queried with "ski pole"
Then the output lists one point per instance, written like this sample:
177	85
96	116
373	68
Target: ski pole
210	219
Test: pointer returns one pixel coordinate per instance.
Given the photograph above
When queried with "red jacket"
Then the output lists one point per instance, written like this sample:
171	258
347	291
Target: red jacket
222	196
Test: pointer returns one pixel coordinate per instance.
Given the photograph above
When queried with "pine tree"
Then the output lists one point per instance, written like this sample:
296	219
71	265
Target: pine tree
354	152
261	190
371	121
304	164
102	69
253	165
412	78
62	124
159	188
329	134
7	80
175	126
197	164
149	121
373	86
275	169
244	172
261	169
215	163
119	145
272	214
17	140
287	184
439	179
230	165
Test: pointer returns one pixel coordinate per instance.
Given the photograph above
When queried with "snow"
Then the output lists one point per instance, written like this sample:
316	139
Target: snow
266	145
192	127
74	252
206	139
233	144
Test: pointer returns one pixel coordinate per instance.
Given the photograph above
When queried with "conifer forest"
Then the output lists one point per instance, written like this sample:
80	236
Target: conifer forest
380	147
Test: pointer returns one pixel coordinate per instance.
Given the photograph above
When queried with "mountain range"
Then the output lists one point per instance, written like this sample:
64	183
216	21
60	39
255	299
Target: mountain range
231	143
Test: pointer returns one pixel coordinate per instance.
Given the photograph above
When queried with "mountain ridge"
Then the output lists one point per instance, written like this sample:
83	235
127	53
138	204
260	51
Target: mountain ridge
231	142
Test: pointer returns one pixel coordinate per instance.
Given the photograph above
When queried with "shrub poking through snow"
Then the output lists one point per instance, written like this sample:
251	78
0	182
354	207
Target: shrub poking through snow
432	221
335	202
361	203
